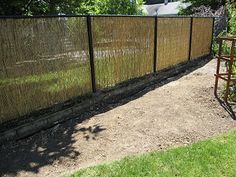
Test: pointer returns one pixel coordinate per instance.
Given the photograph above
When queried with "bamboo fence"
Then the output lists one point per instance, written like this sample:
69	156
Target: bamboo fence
173	41
201	37
47	61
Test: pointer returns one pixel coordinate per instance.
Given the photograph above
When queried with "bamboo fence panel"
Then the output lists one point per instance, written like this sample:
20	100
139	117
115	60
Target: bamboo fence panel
201	37
123	48
172	41
44	61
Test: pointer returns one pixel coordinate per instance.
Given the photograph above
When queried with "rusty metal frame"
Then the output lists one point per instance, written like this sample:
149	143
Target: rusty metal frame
230	59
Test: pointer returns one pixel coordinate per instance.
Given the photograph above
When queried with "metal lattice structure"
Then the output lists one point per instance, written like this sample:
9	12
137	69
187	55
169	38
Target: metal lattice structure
228	75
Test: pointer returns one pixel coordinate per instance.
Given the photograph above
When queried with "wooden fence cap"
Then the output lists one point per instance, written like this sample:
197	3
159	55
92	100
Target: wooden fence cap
229	38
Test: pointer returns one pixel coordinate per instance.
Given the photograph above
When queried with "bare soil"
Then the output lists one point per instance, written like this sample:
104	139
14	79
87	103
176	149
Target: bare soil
179	112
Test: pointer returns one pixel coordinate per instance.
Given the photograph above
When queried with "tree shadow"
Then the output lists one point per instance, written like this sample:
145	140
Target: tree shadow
54	144
91	132
44	148
229	107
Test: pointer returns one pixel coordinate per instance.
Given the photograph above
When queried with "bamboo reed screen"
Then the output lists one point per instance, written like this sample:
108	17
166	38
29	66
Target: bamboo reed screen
172	41
44	61
123	48
201	37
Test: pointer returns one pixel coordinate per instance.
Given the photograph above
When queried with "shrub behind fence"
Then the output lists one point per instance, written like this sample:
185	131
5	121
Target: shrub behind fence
47	61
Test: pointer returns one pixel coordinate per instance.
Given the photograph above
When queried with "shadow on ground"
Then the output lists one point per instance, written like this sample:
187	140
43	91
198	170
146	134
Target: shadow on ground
43	148
229	107
56	143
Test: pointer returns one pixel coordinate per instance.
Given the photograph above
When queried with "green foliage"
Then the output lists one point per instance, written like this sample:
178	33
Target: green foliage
214	157
231	7
233	87
34	7
232	14
120	7
39	7
225	47
226	51
232	29
215	45
213	4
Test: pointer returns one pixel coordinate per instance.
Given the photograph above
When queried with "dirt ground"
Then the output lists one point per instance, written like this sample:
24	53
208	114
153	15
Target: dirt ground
179	112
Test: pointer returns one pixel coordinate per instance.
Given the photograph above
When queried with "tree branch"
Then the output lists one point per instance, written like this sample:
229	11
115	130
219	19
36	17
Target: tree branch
27	6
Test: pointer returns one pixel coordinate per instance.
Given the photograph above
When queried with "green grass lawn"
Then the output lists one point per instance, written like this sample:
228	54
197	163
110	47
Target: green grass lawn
214	157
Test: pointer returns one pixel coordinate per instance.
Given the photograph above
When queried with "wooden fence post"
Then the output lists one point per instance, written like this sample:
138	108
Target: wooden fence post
91	54
190	38
155	46
212	33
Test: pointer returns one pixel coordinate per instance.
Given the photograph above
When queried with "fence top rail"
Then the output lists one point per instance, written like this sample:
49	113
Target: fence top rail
64	16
